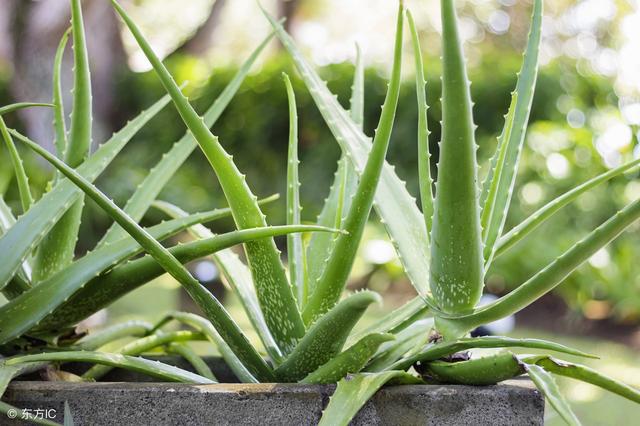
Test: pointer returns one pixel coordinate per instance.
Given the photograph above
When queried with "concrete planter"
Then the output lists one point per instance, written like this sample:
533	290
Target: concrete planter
514	402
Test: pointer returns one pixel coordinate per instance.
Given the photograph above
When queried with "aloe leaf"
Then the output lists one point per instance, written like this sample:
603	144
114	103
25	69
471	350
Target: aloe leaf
487	370
158	177
394	320
397	208
22	280
354	391
534	220
58	248
549	277
331	283
100	291
31	227
58	108
213	309
198	364
273	289
140	365
8	373
350	361
326	337
295	250
456	245
424	156
413	338
142	345
441	350
238	277
206	328
549	388
495	209
584	374
68	418
133	328
21	105
26	198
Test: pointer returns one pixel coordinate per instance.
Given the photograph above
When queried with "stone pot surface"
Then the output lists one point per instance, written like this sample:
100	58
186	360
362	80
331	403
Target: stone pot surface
124	402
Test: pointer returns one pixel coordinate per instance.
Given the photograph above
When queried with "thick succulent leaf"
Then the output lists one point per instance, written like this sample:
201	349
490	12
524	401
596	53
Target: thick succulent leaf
395	320
58	248
441	350
329	287
206	328
534	220
102	290
42	301
411	339
142	345
68	418
22	281
273	289
295	250
140	365
495	209
549	388
548	278
584	374
354	391
238	277
171	161
350	361
59	123
424	156
325	339
212	308
95	340
397	208
26	198
21	105
457	267
198	364
484	371
31	227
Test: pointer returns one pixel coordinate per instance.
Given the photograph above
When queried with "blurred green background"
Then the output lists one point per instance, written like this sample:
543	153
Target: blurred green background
585	120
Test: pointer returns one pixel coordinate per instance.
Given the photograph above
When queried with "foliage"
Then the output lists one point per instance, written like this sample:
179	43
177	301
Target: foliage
304	320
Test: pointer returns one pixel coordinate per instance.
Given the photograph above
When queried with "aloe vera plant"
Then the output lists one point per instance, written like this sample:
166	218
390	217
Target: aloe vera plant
304	322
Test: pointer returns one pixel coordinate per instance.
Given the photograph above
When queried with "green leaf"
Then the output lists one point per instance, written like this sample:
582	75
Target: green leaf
396	319
30	228
212	308
198	364
8	373
142	345
295	250
100	291
158	177
205	327
495	209
26	198
331	283
238	277
397	208
424	156
584	374
133	328
350	361
58	248
325	339
58	104
534	220
140	365
549	388
354	391
484	371
441	350
273	289
549	277
413	338
21	105
22	280
457	272
68	418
